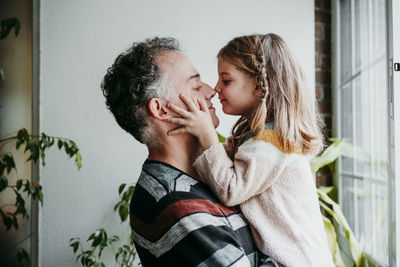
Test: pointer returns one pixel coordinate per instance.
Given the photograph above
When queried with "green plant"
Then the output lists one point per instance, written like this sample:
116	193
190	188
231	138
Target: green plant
36	147
328	157
124	254
6	26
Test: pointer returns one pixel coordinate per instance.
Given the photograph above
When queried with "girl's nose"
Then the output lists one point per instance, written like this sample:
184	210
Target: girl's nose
217	88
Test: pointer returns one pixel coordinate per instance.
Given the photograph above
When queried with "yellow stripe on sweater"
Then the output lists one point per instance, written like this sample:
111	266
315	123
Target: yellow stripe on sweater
270	136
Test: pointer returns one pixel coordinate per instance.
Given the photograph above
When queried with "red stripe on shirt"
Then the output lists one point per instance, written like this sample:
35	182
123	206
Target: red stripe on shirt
174	212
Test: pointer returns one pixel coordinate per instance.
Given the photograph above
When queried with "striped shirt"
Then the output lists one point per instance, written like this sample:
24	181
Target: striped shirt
177	221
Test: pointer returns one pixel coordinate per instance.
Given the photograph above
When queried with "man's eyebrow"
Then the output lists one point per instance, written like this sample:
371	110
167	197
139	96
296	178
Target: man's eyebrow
197	75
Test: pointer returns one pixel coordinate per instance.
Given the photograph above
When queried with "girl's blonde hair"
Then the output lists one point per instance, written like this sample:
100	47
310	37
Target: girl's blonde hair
285	99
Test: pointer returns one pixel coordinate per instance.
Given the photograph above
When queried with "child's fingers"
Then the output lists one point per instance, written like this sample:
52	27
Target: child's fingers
178	110
188	102
203	105
176	131
180	121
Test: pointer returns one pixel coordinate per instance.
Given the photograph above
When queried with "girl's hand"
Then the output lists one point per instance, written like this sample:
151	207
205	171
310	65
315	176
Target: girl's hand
196	121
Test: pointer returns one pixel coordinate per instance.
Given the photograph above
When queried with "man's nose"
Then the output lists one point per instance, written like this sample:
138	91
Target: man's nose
210	93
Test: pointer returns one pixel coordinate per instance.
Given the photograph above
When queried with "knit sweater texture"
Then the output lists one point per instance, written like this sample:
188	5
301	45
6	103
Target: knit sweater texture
277	194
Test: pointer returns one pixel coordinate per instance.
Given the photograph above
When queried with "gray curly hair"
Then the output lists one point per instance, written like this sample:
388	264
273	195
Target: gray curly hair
132	81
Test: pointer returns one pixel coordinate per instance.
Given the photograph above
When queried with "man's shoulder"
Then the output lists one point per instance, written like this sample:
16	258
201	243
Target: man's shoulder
170	209
160	179
163	192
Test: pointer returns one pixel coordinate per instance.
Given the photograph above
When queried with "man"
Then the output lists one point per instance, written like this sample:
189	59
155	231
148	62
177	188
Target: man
175	219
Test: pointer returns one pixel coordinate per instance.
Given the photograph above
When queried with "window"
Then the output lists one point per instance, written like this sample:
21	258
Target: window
362	115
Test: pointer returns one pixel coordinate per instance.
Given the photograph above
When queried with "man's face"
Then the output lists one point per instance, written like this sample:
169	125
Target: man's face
186	80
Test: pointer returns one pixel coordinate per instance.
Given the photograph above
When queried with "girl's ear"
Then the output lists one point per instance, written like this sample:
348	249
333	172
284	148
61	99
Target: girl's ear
157	108
254	81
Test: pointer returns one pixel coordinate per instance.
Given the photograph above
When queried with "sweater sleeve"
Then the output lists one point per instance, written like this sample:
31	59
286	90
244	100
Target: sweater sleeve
251	172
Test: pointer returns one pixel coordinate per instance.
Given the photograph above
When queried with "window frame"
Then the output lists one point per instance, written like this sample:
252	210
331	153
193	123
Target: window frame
393	33
393	80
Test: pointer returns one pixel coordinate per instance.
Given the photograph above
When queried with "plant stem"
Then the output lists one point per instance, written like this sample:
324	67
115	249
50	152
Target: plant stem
21	241
6	205
32	136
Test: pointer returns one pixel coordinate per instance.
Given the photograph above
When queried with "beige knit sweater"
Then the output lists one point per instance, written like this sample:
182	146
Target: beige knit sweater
277	194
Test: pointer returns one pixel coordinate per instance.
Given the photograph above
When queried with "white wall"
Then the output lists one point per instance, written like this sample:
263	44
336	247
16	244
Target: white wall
79	41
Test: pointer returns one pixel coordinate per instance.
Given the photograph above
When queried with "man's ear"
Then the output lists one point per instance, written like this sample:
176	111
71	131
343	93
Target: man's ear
157	108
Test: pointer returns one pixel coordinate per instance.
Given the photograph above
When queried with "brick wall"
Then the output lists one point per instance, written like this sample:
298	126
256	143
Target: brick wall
323	74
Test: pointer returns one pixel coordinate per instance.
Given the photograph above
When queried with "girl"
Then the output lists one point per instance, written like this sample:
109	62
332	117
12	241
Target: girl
265	167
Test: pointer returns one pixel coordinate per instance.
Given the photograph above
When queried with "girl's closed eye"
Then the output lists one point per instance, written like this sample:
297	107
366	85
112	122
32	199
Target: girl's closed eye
226	82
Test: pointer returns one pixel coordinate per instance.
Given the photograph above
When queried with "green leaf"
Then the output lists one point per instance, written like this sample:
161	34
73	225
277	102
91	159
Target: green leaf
97	238
60	144
325	189
22	137
114	238
32	190
123	212
126	196
7	221
42	156
33	146
3	182
20	204
19	184
118	204
121	188
78	160
221	138
104	237
355	248
7	25
332	241
68	150
75	246
15	221
9	162
330	154
22	255
40	197
73	144
51	141
92	236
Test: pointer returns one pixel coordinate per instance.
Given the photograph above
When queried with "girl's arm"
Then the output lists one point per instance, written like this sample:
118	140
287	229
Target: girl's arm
236	181
255	168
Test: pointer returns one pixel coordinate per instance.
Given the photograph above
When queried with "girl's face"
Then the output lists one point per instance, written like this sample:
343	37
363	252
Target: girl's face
236	90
